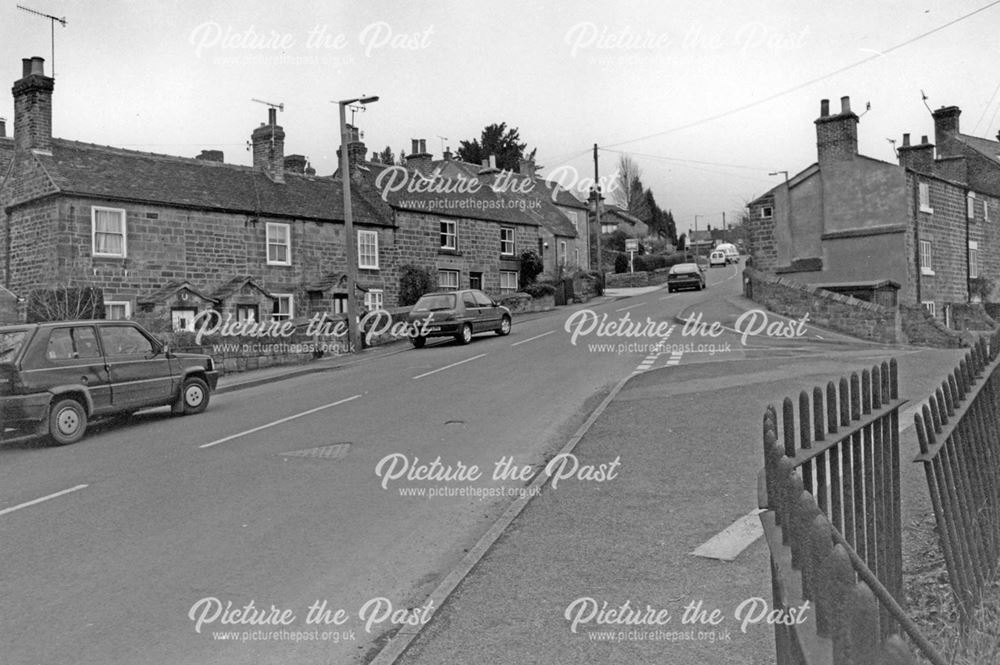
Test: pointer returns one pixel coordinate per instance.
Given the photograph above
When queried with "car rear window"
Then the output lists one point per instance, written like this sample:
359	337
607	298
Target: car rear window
435	302
684	268
10	344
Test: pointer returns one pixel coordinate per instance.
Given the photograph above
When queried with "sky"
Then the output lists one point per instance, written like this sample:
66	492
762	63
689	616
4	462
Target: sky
707	97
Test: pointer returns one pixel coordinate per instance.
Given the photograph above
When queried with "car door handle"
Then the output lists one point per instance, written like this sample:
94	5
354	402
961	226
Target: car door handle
83	380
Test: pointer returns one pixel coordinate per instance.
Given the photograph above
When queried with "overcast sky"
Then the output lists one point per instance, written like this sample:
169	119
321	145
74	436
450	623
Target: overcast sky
647	78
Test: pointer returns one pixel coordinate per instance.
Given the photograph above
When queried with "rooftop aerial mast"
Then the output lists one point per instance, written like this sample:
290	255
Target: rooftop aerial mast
52	24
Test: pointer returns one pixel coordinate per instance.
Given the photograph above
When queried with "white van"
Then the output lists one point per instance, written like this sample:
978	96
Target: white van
732	254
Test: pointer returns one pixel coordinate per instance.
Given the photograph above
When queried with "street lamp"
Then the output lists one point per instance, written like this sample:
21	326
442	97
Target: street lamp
353	339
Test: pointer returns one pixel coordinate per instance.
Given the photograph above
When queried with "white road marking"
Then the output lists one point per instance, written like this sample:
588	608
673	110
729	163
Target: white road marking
675	358
669	295
41	499
731	541
277	422
622	309
533	338
441	369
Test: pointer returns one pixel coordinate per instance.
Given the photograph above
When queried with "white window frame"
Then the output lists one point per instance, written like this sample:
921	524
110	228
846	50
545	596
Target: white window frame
973	259
270	240
373	241
93	232
926	257
986	210
291	307
442	273
929	306
767	212
174	318
924	189
374	300
509	274
445	234
970	205
505	230
562	252
118	303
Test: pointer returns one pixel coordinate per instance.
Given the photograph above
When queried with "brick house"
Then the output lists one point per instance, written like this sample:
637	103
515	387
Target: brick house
615	218
849	222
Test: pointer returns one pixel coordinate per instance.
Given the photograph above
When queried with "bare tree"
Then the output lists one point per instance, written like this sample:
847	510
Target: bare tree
627	175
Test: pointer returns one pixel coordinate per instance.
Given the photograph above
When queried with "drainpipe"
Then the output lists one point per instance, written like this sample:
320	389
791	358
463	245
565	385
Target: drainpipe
968	257
915	204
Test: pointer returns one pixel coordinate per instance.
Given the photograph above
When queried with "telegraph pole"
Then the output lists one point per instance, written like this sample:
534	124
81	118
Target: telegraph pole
597	216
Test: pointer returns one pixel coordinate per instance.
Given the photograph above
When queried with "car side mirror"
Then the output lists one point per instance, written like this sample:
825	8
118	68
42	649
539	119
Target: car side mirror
165	350
494	303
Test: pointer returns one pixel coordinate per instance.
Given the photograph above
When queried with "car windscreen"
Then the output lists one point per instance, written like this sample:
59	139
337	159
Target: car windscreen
435	302
10	344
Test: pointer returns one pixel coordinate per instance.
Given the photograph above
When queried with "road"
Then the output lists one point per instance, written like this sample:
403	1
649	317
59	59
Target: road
271	497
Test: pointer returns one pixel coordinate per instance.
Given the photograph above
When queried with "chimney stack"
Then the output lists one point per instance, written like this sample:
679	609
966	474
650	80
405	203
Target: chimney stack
33	107
836	135
269	147
946	130
211	156
295	163
3	128
357	152
489	166
918	157
419	158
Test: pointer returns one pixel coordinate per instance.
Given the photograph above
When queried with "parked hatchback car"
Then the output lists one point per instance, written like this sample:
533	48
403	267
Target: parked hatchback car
459	314
685	276
56	377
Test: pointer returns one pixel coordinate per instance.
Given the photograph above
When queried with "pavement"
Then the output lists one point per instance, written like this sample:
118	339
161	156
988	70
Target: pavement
577	574
585	551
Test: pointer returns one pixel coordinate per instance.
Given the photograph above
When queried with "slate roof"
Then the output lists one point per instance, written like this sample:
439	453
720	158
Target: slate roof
101	171
986	147
613	209
167	291
237	283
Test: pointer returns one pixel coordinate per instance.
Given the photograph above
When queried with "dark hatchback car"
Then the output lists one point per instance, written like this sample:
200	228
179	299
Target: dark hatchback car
55	377
685	276
459	314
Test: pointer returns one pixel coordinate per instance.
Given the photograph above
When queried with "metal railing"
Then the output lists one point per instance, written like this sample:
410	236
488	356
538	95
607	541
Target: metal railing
833	525
959	435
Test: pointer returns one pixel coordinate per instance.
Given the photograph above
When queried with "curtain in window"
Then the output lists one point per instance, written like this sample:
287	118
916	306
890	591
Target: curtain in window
108	235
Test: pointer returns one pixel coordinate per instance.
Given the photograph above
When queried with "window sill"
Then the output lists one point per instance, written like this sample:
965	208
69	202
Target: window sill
280	265
929	211
452	252
109	257
926	271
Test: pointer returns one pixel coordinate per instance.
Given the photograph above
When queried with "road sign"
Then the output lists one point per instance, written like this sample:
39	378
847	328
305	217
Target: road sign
631	244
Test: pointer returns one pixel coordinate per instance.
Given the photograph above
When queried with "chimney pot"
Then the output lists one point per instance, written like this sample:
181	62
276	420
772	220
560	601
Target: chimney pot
824	108
38	66
923	140
423	145
415	145
25	67
906	140
272	116
3	128
493	161
845	104
486	163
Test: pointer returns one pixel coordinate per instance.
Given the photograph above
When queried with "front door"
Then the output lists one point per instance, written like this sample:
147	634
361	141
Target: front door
475	280
139	375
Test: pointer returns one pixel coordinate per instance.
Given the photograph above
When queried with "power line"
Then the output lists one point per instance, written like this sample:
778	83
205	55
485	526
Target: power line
805	84
690	161
975	128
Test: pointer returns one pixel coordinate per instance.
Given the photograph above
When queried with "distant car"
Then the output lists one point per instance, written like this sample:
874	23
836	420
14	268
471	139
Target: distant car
685	276
57	376
732	254
459	314
718	258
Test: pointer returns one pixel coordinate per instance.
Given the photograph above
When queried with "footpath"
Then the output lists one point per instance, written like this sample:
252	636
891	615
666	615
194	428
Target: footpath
603	573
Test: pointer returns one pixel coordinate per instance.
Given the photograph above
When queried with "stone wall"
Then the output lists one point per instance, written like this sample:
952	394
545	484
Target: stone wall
922	329
971	316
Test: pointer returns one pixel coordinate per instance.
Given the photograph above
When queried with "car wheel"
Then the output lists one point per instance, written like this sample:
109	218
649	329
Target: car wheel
194	396
418	342
67	422
670	289
504	328
465	336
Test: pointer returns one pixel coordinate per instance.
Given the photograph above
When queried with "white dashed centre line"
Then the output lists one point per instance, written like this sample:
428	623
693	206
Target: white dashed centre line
41	499
530	339
441	369
731	541
622	309
277	422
